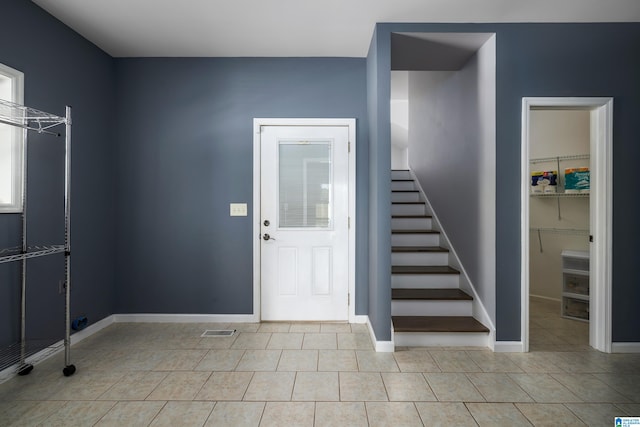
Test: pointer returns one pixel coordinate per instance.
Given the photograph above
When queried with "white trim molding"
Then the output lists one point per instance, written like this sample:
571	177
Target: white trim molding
625	347
351	125
508	347
185	318
601	209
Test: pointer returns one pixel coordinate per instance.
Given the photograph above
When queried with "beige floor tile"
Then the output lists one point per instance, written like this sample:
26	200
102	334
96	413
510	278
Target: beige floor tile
28	413
489	361
361	386
279	414
217	342
407	386
549	414
179	360
259	360
371	361
337	360
628	385
87	385
543	388
134	386
354	342
332	414
131	414
359	328
225	386
298	360
534	362
630	409
445	414
497	414
246	327
589	389
498	387
179	386
595	414
453	387
183	414
236	414
80	413
321	341
275	327
316	386
305	327
343	328
415	361
251	341
454	361
289	341
220	360
270	386
392	414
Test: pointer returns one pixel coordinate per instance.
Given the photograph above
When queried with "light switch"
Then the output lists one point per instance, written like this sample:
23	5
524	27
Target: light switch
238	209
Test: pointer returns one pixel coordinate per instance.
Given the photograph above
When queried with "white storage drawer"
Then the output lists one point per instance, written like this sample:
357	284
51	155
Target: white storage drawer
574	308
575	283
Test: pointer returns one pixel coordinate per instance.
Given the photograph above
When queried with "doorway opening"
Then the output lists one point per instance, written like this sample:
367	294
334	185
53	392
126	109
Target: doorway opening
566	222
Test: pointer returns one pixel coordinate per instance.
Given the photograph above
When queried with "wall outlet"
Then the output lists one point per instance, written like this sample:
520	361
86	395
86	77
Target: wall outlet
237	209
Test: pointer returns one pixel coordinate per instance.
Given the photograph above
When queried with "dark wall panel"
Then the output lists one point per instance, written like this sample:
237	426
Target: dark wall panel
185	151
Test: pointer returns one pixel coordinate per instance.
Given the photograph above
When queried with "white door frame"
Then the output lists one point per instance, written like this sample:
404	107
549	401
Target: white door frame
601	208
257	124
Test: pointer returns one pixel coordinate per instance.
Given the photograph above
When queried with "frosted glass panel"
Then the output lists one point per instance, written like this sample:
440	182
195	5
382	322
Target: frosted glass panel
304	184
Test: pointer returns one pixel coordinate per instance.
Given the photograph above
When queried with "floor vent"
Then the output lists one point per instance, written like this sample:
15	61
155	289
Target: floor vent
213	333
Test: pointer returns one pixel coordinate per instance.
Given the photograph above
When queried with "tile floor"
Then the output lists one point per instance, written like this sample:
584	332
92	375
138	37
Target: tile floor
290	374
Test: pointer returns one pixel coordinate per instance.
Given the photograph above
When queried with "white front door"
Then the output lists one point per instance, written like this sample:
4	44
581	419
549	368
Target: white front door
304	222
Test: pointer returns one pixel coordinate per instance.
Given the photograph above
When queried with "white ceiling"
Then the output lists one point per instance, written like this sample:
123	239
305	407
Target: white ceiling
342	28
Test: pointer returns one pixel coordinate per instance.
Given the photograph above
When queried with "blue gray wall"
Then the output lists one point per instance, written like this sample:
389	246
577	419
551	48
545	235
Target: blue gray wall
61	68
552	60
185	151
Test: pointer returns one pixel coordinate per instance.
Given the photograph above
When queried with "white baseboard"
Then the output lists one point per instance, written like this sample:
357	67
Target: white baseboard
358	318
625	347
185	318
380	346
92	329
508	347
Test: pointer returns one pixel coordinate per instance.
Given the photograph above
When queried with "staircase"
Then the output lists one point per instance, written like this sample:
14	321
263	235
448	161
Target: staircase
428	307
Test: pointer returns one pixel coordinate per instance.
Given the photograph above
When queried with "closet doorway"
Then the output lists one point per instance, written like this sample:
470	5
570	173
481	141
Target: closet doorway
566	224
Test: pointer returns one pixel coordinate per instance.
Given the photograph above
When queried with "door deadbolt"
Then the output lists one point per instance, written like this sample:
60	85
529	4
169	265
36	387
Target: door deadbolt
266	223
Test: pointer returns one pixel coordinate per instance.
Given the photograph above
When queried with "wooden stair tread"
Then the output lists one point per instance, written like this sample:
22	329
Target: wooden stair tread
418	249
420	231
431	294
423	269
437	324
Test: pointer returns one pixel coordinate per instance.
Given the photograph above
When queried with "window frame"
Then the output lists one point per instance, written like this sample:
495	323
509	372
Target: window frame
16	204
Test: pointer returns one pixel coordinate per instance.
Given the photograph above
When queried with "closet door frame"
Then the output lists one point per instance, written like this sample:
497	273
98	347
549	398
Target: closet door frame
601	208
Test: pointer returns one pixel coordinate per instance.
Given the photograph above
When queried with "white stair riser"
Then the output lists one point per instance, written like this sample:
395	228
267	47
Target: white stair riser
418	239
431	308
424	223
425	281
420	258
402	186
409	209
401	174
441	339
405	197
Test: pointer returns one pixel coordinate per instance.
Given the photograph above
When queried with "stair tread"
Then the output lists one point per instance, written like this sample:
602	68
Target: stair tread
437	324
431	294
418	249
417	231
423	269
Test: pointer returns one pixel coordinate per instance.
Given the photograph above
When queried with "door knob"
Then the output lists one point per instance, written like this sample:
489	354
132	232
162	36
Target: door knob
267	237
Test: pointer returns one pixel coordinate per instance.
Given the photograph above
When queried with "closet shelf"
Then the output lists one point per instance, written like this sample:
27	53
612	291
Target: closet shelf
29	118
562	195
16	254
559	158
578	231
